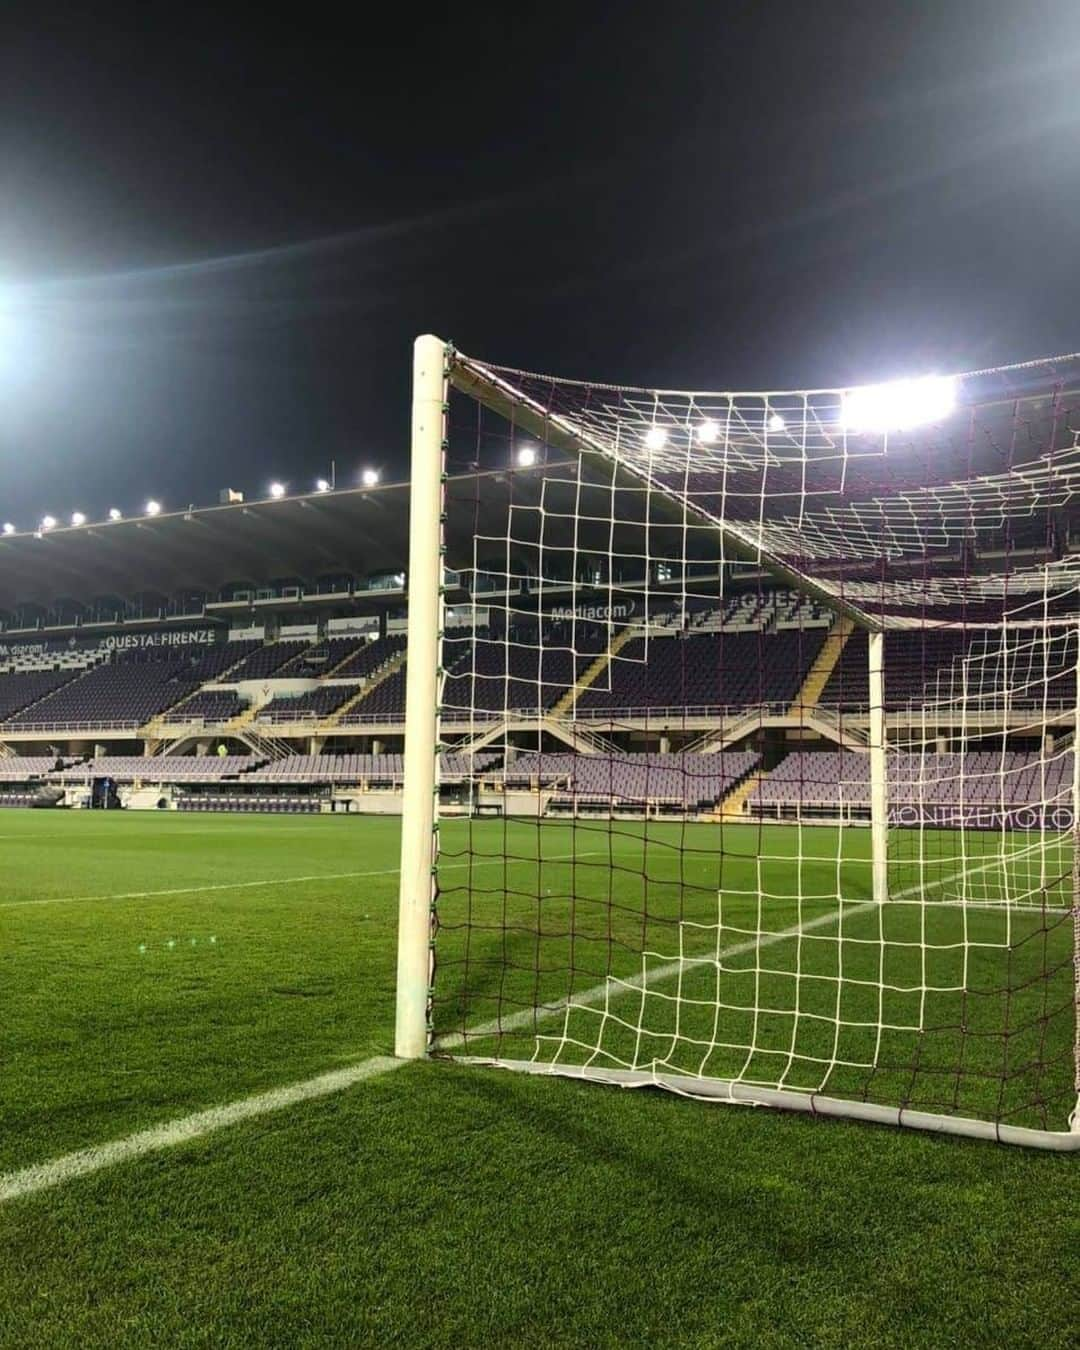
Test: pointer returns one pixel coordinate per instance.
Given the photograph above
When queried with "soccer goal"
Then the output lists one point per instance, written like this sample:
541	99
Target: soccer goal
742	741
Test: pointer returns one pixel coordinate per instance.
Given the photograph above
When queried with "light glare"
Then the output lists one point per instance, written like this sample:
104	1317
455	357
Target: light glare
77	518
708	432
526	456
277	489
656	438
153	508
115	513
322	485
48	522
899	405
369	477
8	527
777	423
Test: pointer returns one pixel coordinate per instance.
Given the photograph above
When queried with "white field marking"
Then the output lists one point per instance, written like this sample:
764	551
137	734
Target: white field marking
613	986
44	1176
290	881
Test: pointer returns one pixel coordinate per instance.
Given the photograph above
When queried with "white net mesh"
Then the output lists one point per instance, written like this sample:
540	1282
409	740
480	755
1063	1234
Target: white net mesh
659	642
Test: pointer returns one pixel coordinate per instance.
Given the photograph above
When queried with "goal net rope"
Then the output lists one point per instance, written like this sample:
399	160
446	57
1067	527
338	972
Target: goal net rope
764	709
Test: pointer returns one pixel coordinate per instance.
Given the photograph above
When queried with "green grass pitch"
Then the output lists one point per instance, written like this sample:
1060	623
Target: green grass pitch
153	966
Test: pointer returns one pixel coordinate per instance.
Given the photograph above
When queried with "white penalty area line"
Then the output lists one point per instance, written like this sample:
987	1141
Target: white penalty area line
293	881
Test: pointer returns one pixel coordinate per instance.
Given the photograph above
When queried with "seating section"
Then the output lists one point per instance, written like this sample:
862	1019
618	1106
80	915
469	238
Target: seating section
20	768
218	659
125	693
71	656
943	666
686	779
23	690
208	705
386	700
160	768
707	670
371	656
268	660
389	769
698	656
1003	779
314	703
319	658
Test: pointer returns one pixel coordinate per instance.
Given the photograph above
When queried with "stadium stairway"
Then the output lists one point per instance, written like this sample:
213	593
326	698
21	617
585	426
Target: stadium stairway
733	807
384	672
817	677
590	675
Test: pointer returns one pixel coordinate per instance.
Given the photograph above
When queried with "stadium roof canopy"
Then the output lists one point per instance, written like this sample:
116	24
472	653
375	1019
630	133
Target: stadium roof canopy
352	532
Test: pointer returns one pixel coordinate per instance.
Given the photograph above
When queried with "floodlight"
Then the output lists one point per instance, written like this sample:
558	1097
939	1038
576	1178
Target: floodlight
153	508
322	485
115	513
277	489
8	527
48	522
708	432
526	456
899	405
77	518
656	438
369	477
777	423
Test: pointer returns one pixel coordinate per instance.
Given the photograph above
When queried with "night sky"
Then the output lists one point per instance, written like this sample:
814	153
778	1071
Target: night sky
218	236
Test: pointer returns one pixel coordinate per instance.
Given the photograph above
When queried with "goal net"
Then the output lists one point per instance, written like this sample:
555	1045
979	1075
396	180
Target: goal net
741	741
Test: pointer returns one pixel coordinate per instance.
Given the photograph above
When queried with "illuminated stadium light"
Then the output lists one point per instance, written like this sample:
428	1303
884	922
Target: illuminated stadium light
153	508
777	423
277	489
115	513
526	456
708	432
369	477
899	405
8	527
77	518
48	523
322	485
656	438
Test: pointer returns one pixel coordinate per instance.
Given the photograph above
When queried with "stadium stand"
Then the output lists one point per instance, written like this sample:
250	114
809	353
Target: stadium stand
351	768
370	657
314	703
927	665
125	693
706	670
208	705
386	700
834	779
160	768
693	781
268	660
20	768
19	692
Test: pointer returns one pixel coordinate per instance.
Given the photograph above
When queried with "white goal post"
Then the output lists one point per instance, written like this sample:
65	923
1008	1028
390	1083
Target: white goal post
853	891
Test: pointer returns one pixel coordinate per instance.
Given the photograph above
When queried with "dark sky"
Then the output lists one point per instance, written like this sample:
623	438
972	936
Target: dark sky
218	236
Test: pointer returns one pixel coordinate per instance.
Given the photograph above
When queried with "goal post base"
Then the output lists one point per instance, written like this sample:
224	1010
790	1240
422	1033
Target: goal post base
747	1094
